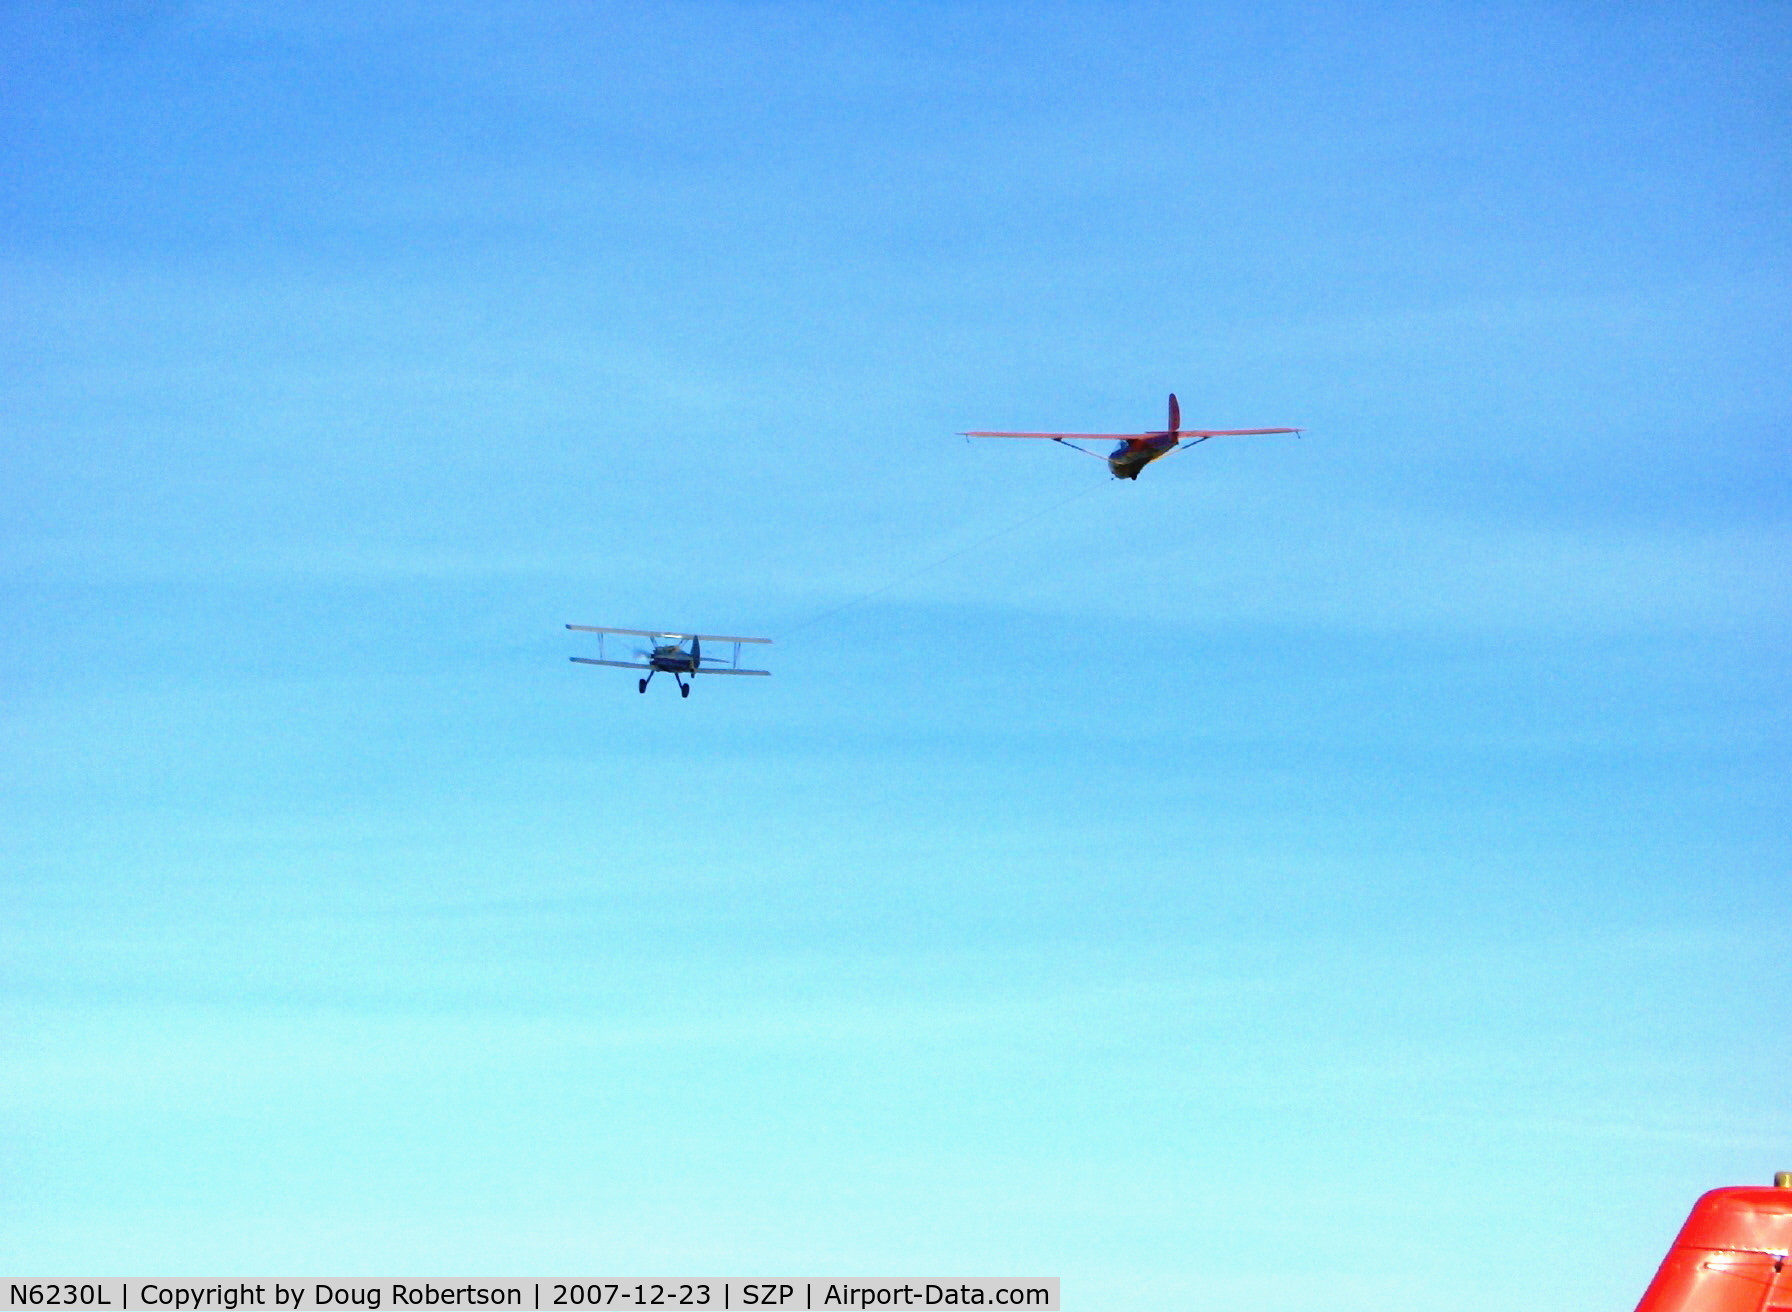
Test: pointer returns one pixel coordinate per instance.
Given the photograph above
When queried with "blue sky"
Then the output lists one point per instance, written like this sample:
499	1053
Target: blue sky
1264	884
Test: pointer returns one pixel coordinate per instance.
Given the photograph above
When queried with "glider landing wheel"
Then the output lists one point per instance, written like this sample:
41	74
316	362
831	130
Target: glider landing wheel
642	686
684	690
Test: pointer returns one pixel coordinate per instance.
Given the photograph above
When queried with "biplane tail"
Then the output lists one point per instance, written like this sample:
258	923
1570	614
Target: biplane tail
1731	1255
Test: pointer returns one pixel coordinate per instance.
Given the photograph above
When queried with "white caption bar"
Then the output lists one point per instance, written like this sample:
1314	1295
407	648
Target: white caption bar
530	1294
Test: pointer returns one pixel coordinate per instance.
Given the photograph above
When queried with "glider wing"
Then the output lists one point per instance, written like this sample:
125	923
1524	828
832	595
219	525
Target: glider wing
1081	437
1232	432
1130	437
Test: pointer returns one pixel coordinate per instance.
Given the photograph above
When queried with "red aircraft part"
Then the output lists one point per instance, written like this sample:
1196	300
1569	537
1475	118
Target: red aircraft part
1730	1256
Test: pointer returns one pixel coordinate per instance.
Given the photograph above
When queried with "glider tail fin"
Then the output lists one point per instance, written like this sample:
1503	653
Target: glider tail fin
1175	414
1730	1255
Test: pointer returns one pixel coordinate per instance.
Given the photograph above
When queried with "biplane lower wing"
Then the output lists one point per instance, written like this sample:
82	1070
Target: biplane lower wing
706	668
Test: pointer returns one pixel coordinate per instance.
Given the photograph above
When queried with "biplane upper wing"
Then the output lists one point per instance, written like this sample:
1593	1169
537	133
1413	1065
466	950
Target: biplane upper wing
661	633
633	633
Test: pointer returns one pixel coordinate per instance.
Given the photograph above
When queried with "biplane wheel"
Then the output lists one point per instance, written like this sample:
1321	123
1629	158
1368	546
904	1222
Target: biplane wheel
684	690
642	686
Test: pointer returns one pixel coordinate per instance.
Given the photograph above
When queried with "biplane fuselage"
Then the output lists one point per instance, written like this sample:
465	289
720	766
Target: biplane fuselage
675	658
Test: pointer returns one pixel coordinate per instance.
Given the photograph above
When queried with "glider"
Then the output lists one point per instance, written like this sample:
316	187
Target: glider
1136	450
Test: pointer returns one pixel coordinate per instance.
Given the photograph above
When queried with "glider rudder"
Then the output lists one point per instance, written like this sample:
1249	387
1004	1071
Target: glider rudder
1731	1255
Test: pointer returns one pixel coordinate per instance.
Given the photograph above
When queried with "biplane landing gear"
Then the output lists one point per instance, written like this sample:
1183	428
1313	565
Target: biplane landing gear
684	690
642	686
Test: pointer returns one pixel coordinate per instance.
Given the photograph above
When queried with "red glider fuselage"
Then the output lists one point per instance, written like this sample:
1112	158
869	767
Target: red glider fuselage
1132	455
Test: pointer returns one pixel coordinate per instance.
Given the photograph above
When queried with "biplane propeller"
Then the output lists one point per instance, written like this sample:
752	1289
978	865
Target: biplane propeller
669	655
1136	450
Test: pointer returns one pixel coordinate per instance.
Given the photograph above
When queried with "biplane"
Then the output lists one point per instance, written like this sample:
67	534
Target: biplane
1136	450
669	655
